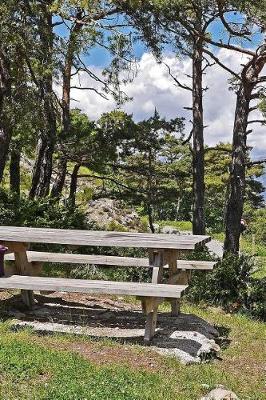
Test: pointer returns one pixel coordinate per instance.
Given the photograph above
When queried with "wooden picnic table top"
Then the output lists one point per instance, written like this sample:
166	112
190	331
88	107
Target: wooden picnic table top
100	238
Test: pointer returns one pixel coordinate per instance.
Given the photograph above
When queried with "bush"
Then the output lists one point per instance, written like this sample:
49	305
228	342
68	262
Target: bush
231	286
256	302
45	213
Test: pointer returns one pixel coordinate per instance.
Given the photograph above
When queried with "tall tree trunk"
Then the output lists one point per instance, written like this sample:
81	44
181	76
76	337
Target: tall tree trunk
73	185
236	195
5	138
150	218
235	203
14	171
5	92
198	142
42	170
60	179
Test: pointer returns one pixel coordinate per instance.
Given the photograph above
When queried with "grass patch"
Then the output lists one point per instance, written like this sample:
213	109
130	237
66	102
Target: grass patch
61	367
246	246
261	268
180	225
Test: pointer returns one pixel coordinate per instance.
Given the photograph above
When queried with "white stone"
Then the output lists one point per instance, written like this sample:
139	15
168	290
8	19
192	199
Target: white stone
220	393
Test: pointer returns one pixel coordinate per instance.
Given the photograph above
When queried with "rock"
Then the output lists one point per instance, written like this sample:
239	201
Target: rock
197	346
111	215
156	228
170	230
220	393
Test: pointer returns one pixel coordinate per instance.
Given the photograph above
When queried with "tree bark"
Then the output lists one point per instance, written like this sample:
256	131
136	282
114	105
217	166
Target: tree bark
5	92
198	142
5	138
73	185
236	193
42	170
14	171
60	179
150	218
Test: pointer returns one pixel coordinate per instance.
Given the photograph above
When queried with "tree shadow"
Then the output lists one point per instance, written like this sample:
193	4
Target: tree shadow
186	335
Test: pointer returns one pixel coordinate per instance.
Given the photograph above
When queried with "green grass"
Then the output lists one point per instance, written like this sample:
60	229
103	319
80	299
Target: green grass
261	268
259	249
180	225
35	367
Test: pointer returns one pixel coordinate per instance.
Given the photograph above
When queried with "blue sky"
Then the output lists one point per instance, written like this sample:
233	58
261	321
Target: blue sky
158	92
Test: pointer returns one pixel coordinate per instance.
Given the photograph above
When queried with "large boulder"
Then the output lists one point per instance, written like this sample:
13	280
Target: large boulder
109	214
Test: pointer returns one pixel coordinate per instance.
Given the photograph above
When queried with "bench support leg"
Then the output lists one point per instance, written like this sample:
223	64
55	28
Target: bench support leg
179	278
24	267
27	298
171	257
150	326
151	310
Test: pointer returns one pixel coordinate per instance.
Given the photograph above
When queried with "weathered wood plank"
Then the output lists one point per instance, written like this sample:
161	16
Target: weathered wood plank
23	267
151	308
195	265
100	238
156	262
35	256
86	286
39	256
171	257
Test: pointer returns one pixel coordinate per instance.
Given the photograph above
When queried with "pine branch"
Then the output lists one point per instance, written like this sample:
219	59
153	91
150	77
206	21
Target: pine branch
179	84
216	59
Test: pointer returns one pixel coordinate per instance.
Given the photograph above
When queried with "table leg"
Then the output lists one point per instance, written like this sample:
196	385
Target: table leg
156	261
150	304
151	310
24	267
171	257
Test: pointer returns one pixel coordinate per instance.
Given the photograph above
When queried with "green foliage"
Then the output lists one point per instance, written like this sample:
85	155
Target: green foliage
256	302
129	274
116	226
258	226
38	213
231	286
217	164
153	168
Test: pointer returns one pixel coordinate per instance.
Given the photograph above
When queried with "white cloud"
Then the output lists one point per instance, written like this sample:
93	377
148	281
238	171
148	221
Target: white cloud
153	87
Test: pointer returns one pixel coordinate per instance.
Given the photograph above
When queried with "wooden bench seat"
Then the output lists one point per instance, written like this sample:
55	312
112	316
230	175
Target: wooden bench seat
44	257
92	286
150	294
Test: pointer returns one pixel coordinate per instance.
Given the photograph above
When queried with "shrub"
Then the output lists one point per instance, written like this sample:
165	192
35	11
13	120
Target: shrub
46	213
231	286
256	301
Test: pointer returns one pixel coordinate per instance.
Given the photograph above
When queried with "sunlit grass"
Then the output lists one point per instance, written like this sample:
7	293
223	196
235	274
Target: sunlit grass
36	367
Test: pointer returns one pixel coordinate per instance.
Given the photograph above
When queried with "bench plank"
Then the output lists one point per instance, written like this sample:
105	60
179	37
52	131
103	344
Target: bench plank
100	238
88	286
40	256
71	258
195	265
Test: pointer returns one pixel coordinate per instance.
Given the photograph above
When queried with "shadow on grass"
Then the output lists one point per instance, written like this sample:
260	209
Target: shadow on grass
186	335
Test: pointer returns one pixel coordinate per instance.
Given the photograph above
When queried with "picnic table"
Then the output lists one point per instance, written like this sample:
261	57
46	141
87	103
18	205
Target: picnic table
164	252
